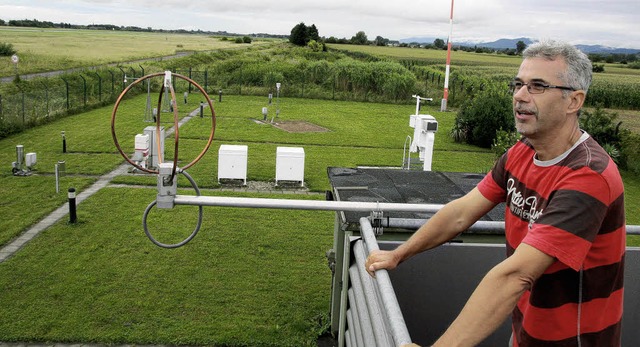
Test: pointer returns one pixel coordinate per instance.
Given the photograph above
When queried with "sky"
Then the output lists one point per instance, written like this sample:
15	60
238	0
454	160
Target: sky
614	23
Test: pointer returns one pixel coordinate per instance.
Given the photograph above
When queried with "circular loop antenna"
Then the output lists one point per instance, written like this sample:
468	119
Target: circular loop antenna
175	111
193	233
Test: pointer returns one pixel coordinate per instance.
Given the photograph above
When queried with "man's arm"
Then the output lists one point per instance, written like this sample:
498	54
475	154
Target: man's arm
454	218
496	296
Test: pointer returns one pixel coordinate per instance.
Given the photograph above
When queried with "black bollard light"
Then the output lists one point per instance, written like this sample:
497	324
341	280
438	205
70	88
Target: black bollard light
64	143
201	109
220	95
72	205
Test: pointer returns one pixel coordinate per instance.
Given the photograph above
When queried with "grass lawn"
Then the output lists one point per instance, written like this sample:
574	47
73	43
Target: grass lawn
250	278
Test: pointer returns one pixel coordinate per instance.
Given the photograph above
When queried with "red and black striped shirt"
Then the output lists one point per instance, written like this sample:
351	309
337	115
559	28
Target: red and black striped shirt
571	208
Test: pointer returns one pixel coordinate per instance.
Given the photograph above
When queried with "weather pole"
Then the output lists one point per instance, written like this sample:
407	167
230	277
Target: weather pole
443	105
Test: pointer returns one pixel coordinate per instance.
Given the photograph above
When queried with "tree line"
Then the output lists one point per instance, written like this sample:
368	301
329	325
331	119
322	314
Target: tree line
34	23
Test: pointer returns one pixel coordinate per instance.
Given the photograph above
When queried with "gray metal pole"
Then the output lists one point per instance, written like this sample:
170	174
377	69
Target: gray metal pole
345	206
387	294
484	226
303	204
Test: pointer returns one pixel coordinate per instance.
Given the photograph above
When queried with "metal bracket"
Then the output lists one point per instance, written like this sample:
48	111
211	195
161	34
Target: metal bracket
376	222
167	187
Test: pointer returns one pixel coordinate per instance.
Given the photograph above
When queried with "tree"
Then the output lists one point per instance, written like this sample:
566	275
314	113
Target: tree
312	33
299	35
381	41
520	47
480	117
360	38
438	43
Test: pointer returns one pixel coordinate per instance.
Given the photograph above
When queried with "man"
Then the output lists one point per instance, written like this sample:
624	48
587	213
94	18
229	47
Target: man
564	221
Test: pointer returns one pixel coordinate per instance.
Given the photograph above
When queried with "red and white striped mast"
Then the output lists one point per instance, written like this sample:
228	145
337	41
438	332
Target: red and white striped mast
443	105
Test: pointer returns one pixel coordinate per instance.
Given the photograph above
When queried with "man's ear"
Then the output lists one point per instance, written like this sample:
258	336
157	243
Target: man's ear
577	100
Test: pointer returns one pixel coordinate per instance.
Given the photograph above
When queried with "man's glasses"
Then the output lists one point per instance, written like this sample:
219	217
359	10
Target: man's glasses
534	87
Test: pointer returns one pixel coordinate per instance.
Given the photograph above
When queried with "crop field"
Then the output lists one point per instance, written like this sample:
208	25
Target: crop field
617	89
251	277
435	56
59	49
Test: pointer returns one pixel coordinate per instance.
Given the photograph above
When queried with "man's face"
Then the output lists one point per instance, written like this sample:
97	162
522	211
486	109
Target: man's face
540	116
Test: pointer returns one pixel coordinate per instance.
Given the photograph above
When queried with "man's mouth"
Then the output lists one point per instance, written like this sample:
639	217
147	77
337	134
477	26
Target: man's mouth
522	113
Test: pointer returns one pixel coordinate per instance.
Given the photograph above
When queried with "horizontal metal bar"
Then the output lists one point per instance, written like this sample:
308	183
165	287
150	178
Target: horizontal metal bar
408	223
360	206
303	204
484	226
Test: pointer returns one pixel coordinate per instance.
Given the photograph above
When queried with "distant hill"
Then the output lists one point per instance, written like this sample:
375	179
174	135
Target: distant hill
511	43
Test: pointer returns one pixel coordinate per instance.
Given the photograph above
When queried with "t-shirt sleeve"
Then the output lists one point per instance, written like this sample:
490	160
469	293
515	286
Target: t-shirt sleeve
490	189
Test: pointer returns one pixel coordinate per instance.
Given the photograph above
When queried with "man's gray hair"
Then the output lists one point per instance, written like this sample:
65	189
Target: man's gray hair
579	69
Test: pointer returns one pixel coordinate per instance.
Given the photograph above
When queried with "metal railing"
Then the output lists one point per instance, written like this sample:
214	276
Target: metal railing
374	317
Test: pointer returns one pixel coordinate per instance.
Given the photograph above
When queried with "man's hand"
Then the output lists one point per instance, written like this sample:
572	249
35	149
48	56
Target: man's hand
381	260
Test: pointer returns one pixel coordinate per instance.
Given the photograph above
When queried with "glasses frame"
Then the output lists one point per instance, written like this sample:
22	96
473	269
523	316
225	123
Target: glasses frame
542	87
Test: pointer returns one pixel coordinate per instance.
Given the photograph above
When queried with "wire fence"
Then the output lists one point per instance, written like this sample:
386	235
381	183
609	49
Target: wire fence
38	101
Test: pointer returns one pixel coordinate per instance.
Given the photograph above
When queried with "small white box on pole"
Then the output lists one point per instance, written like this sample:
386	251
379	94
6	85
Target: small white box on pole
30	160
290	164
232	162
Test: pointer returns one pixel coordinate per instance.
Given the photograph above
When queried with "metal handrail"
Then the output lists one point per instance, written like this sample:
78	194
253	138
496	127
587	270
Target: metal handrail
399	330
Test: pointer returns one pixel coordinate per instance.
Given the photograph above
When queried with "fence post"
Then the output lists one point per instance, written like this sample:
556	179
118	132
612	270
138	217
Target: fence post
190	77
113	82
84	88
99	86
141	69
333	88
22	101
124	77
206	79
46	95
66	83
304	78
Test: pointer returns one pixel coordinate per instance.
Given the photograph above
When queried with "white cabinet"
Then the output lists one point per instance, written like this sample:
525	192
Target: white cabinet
232	162
290	164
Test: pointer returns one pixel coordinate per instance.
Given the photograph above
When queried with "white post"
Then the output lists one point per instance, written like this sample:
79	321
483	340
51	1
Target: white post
443	106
